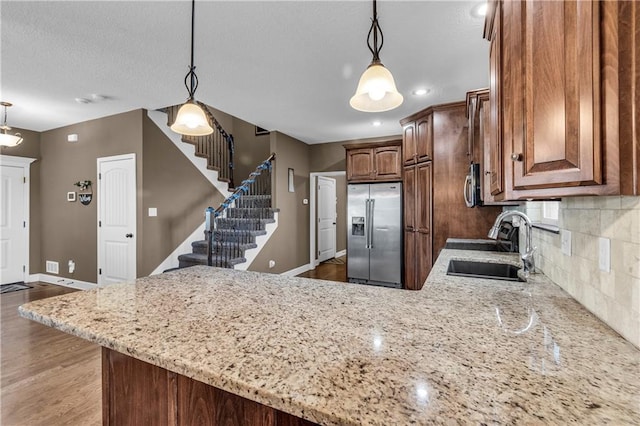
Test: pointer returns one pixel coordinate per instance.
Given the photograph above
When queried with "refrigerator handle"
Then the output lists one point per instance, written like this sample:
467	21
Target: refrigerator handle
366	223
371	210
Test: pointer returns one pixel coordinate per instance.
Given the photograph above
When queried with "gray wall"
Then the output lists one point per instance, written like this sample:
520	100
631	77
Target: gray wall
69	229
177	189
289	245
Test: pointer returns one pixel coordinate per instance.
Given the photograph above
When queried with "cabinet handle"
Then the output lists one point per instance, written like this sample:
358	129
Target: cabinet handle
488	172
516	157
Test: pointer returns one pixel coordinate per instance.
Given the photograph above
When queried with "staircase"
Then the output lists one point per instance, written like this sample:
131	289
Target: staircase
232	228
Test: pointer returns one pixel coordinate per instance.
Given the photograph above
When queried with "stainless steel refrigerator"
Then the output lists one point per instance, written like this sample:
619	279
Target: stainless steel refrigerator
374	240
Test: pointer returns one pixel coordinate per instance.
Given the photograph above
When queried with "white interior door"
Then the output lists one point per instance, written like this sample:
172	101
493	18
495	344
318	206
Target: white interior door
116	219
13	231
326	218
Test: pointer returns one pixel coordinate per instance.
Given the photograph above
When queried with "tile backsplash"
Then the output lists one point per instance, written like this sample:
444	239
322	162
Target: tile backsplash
612	296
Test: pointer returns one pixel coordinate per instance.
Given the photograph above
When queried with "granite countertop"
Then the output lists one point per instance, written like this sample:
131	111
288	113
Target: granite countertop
459	351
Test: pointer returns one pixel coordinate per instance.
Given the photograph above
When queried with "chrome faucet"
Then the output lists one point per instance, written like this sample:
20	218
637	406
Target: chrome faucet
527	257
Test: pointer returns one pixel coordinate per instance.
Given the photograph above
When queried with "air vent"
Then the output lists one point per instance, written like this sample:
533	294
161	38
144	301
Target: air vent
52	267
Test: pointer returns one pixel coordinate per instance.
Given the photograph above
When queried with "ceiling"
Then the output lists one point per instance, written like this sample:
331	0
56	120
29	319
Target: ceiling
289	66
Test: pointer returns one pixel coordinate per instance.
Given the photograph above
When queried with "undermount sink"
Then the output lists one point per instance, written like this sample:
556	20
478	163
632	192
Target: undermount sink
475	245
494	271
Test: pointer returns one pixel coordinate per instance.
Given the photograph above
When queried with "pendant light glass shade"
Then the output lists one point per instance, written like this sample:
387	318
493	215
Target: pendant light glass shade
376	91
7	139
10	140
191	121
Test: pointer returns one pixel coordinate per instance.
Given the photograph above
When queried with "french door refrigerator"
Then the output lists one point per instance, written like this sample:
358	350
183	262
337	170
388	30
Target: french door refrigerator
374	240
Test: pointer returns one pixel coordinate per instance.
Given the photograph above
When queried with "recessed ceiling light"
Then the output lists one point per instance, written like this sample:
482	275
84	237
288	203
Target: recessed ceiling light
421	92
83	100
479	10
377	123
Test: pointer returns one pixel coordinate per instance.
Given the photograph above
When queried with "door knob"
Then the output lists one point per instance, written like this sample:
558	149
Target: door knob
129	236
516	157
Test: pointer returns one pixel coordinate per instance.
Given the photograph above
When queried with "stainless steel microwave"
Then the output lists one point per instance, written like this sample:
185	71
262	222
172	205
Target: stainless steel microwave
472	196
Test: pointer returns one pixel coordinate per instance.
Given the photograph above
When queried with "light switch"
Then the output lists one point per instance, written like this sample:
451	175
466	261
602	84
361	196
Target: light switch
153	211
566	242
604	245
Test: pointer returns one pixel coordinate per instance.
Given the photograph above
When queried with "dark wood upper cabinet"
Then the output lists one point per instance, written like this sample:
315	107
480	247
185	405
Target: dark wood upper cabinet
374	162
561	118
417	144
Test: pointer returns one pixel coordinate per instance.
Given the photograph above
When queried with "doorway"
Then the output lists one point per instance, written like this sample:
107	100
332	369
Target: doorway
324	242
327	216
14	218
117	233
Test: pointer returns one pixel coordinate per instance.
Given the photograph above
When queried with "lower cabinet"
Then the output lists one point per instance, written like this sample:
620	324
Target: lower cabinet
137	393
418	222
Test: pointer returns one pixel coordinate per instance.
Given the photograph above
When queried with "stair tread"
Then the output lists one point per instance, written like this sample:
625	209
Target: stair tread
203	257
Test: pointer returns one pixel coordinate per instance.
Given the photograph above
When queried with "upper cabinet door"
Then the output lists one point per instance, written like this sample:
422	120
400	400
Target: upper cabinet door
388	163
409	143
494	166
556	114
360	164
424	139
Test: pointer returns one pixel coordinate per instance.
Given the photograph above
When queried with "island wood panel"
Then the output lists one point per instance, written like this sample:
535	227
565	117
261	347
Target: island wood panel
139	393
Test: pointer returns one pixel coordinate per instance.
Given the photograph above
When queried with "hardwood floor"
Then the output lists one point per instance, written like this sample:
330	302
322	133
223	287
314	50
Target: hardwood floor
47	377
329	271
50	378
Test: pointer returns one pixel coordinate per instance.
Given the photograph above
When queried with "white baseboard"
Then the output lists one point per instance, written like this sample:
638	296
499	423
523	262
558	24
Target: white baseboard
65	282
341	253
297	271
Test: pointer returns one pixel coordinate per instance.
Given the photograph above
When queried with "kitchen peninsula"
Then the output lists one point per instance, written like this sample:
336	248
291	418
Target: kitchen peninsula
459	350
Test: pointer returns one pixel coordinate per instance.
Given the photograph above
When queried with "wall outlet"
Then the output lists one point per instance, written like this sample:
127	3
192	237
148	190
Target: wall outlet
604	257
565	237
305	201
52	267
272	263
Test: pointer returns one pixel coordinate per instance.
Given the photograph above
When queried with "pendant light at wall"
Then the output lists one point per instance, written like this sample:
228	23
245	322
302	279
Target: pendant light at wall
7	139
191	119
376	90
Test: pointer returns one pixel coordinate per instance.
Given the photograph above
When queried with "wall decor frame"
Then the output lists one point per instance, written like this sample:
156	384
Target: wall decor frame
290	180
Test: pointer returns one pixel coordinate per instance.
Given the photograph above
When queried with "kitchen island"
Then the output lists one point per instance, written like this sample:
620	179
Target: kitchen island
460	350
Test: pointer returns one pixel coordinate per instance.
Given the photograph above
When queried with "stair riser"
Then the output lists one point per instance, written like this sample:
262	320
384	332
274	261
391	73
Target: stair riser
242	224
253	203
250	213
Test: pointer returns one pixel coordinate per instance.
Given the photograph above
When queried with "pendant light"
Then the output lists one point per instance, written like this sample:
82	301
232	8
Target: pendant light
191	119
376	90
7	139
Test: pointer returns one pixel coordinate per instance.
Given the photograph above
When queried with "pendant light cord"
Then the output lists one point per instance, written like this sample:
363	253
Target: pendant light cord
375	29
191	79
